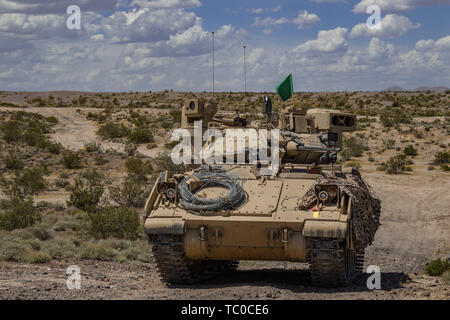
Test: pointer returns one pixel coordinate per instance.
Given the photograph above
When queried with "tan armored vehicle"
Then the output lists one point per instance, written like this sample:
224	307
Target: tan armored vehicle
204	221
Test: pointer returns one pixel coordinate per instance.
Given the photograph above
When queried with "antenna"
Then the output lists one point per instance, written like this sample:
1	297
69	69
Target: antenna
245	72
213	60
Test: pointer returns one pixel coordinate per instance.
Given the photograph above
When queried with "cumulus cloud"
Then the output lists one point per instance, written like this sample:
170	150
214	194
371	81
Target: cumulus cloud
424	44
395	5
328	41
391	26
54	6
269	21
167	4
262	10
303	20
378	50
147	25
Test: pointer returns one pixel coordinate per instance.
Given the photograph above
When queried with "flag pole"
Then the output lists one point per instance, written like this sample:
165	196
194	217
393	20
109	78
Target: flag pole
293	94
213	62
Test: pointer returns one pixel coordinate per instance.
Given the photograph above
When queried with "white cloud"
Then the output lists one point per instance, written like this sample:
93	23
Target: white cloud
54	6
147	25
328	41
167	4
262	10
391	26
395	5
443	44
424	44
269	21
378	50
305	19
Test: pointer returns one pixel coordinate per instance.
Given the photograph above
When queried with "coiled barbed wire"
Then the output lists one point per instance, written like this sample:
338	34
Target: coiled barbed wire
232	200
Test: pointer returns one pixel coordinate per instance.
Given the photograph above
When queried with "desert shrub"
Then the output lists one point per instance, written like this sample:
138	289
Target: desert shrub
353	147
389	143
111	222
176	116
13	162
164	162
140	135
38	257
96	252
442	157
92	147
13	251
88	191
353	164
130	149
437	267
395	164
61	183
111	130
33	137
138	169
18	215
52	147
171	144
99	161
130	193
31	180
12	131
444	167
71	159
391	119
60	248
410	151
42	233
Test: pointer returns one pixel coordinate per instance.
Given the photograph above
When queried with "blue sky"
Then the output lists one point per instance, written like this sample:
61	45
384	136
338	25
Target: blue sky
142	45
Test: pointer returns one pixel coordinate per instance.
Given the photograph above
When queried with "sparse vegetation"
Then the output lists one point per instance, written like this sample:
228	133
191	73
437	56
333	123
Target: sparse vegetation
437	267
72	159
410	151
353	147
87	192
395	165
112	222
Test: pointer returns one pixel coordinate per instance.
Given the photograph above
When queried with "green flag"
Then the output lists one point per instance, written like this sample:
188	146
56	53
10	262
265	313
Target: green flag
285	89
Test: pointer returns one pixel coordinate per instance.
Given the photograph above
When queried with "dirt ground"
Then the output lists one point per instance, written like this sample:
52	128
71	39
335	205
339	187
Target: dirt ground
415	227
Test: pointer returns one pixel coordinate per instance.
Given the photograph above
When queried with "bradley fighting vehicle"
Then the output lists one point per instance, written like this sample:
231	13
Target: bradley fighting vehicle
204	221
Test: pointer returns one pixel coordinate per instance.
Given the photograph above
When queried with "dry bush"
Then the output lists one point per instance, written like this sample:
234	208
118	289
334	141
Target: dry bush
112	222
88	191
18	215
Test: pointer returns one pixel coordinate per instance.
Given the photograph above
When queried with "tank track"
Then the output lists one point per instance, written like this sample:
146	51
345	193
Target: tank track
331	263
174	268
360	262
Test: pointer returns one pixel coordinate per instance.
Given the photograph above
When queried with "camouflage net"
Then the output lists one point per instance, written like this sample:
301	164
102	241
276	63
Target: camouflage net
366	206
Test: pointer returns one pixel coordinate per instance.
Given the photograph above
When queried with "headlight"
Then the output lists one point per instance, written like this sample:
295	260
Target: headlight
326	193
323	196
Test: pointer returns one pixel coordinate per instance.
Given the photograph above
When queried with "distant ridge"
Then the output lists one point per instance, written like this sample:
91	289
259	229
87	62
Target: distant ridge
395	89
400	89
432	89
